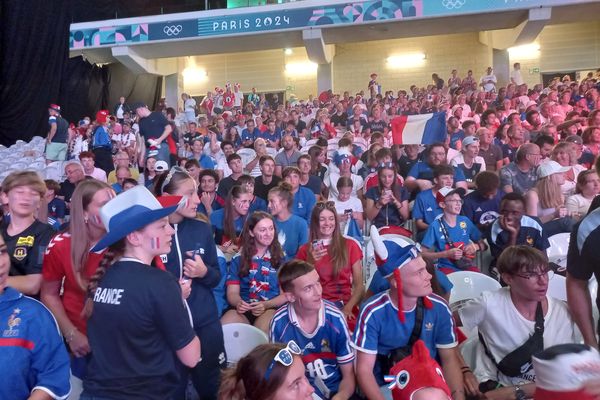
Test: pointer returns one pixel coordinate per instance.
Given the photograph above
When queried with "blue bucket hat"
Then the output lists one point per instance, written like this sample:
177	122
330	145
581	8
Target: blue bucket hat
129	212
392	253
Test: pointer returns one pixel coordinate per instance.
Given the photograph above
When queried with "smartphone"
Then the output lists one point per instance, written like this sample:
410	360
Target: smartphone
315	244
348	211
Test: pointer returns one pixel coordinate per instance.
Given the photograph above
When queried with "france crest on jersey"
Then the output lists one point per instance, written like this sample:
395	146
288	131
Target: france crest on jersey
322	350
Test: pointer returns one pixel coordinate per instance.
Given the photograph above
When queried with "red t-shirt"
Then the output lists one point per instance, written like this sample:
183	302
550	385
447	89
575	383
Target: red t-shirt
57	265
339	289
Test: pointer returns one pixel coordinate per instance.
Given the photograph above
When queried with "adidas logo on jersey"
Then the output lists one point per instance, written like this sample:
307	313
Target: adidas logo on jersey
309	346
429	209
478	209
429	326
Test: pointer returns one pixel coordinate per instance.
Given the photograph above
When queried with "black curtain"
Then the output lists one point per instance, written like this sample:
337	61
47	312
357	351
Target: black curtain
34	40
35	70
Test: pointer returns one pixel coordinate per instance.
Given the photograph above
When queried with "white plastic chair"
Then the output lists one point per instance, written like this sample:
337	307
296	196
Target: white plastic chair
469	285
559	247
557	287
241	339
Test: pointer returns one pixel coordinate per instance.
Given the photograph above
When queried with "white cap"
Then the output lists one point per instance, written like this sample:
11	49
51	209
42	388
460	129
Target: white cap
565	367
161	166
550	167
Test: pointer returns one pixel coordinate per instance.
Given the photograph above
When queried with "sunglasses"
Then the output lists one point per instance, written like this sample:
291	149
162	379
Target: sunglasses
321	205
388	164
284	356
175	169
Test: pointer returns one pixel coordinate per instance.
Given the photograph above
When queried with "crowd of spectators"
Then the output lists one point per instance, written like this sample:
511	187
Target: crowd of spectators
275	199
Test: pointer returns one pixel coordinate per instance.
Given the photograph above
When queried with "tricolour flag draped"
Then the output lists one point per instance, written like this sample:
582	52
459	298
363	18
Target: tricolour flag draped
419	129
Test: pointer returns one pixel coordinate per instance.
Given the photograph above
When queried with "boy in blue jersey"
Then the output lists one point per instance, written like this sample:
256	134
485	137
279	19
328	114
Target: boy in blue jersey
318	327
304	199
483	204
387	321
35	362
426	208
514	227
451	238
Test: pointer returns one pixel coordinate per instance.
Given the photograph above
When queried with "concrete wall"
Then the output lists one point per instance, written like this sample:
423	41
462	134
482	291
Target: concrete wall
569	47
562	47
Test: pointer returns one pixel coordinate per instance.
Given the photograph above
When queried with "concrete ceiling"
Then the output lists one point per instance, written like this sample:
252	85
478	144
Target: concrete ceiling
347	34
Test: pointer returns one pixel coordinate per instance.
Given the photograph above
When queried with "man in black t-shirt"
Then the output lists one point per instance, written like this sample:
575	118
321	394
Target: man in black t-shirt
155	129
267	180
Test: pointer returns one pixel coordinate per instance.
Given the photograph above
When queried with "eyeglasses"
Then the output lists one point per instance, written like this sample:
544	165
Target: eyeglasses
532	276
321	205
174	169
284	356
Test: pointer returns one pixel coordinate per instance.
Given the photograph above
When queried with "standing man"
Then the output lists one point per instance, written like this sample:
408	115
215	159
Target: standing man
56	141
389	321
515	75
318	327
154	129
120	109
583	262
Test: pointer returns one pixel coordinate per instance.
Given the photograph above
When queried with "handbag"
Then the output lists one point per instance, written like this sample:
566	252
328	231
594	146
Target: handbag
464	263
518	361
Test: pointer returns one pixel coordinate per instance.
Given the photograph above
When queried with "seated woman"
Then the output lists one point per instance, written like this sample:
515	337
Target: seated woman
337	259
546	200
252	287
516	322
588	187
292	230
256	203
147	178
271	371
209	199
387	203
228	222
565	154
346	205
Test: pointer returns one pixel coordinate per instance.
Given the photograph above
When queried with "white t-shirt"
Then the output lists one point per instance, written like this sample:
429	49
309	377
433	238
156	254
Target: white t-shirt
331	182
504	329
578	203
488	87
515	75
238	98
568	188
190	105
460	159
353	203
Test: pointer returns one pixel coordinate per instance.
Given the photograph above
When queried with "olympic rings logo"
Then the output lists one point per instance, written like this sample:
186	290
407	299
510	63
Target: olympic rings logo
453	4
172	30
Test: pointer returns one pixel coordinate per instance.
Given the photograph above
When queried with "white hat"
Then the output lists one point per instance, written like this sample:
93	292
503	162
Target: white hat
561	371
131	210
161	166
550	167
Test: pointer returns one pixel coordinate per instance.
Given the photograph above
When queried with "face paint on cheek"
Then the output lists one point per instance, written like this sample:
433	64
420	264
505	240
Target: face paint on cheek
155	243
96	219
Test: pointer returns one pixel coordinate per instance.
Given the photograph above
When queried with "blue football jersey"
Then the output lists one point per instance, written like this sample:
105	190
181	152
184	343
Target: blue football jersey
322	350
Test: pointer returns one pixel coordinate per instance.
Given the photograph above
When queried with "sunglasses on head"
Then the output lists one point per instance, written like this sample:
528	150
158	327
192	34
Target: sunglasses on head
321	205
174	169
284	356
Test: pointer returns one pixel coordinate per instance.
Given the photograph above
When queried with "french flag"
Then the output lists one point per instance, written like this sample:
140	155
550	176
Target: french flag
419	129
